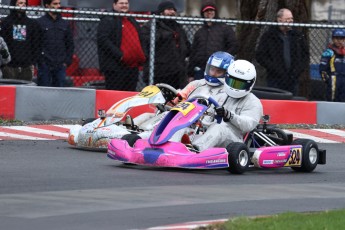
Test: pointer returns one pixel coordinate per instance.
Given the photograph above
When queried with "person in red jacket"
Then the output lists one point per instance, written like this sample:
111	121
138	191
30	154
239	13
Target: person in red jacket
120	49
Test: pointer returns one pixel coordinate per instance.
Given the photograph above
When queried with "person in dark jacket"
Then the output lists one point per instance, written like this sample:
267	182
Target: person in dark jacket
57	47
284	53
332	67
171	48
120	49
22	36
211	37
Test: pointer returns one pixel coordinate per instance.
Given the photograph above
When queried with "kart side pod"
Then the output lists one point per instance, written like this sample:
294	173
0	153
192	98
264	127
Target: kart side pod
303	155
277	157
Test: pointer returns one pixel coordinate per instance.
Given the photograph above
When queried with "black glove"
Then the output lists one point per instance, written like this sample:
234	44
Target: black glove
225	114
4	53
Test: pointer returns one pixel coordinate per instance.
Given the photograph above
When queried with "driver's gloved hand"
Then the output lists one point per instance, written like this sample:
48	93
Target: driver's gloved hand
179	96
225	114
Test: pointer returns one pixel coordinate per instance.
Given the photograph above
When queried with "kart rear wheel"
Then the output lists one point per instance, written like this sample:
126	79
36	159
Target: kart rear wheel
310	155
239	157
278	136
131	138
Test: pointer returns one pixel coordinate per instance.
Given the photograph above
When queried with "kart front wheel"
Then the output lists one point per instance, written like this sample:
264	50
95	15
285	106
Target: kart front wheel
239	158
310	155
131	138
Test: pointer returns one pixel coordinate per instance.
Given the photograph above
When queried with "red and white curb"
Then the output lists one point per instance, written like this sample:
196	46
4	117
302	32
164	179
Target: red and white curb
188	225
58	132
34	132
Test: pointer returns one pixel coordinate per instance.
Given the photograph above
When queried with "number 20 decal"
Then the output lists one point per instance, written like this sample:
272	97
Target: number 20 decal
182	105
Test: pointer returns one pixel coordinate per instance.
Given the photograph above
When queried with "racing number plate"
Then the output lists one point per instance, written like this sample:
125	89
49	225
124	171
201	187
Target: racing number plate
295	157
184	107
149	91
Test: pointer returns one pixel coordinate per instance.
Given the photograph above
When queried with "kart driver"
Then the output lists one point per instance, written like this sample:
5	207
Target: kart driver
216	68
240	109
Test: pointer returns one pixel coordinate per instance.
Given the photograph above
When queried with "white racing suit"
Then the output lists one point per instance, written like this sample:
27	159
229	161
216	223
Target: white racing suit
246	114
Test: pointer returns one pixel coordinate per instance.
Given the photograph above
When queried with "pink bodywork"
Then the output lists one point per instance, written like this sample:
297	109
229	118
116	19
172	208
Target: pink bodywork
278	156
171	154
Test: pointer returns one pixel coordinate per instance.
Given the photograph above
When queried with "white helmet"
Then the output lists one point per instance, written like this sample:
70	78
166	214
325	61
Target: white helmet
240	78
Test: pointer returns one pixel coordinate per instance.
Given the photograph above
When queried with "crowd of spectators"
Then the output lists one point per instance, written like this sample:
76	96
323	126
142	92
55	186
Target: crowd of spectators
46	44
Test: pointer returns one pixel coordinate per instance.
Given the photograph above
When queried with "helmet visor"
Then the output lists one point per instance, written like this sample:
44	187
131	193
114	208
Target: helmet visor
214	71
238	84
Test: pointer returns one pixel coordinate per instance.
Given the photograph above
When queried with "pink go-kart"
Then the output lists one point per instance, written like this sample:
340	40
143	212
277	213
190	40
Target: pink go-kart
169	145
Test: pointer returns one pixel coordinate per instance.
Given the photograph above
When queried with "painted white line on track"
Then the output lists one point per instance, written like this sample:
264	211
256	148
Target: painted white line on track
188	225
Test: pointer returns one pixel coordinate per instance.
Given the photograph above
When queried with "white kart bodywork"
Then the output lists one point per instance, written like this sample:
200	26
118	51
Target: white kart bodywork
97	134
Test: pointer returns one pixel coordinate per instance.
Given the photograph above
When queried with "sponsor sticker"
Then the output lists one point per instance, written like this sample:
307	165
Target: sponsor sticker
215	161
184	107
282	154
149	91
267	162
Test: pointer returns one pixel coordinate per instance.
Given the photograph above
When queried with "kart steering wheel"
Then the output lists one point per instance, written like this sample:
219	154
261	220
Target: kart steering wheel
210	101
169	92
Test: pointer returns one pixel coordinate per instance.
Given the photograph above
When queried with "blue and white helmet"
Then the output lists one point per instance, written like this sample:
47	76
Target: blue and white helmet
338	33
219	62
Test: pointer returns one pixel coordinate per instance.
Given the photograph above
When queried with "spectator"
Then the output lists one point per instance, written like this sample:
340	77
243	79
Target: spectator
171	48
5	56
211	37
22	36
120	49
332	67
57	47
284	53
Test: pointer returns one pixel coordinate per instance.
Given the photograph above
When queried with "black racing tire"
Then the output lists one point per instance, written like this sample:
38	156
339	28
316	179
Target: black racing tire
278	136
271	93
88	120
16	82
310	155
297	98
239	158
131	138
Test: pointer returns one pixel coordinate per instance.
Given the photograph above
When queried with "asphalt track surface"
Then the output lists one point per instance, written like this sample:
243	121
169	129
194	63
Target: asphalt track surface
48	185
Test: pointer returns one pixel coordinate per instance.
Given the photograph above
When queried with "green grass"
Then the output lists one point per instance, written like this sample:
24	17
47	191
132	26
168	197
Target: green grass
328	220
9	122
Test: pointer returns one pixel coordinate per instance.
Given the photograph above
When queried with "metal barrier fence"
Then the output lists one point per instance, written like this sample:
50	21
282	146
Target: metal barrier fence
85	70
